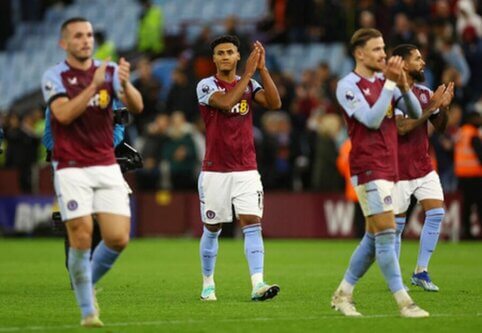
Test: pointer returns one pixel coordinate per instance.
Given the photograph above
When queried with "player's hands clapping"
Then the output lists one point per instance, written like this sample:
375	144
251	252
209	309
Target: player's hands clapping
124	71
262	55
447	96
99	75
252	62
394	68
435	99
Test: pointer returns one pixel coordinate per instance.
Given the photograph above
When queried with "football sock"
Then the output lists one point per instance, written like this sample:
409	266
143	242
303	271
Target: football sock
400	221
254	250
81	277
387	259
102	261
361	260
208	249
429	237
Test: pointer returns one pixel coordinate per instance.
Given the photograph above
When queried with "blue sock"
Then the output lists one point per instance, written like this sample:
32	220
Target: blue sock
361	259
253	248
430	234
102	260
208	249
81	277
387	259
400	221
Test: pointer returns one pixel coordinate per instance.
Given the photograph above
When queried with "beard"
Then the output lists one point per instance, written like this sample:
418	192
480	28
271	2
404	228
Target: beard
418	76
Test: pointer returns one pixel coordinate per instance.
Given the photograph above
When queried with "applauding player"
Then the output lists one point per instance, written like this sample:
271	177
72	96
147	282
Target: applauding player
229	174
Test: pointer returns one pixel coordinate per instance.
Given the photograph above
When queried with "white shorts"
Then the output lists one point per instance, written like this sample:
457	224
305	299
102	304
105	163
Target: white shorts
97	189
375	197
219	191
426	187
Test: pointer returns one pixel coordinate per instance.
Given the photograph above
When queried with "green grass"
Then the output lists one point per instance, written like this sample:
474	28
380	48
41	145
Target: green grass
155	287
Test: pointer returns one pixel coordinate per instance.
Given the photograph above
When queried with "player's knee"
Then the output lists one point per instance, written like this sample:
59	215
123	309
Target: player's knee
249	220
81	240
213	227
118	243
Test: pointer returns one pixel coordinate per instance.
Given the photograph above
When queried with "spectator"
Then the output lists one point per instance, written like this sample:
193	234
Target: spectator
151	29
150	89
182	96
21	137
180	153
105	48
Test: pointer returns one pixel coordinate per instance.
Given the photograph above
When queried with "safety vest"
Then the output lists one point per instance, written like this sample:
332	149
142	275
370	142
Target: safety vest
467	163
343	165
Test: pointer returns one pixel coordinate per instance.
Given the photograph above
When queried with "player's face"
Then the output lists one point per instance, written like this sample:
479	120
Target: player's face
415	66
78	40
226	57
373	55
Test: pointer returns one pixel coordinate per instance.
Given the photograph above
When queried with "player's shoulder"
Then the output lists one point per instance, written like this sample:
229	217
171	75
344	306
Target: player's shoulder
55	70
207	80
207	84
349	79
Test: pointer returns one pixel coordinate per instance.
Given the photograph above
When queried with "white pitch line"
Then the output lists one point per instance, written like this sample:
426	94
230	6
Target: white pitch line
180	322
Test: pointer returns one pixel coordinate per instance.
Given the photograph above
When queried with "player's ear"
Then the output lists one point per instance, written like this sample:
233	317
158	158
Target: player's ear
358	53
62	43
238	58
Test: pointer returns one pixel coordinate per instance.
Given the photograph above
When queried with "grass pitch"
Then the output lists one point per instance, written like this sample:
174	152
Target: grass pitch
155	287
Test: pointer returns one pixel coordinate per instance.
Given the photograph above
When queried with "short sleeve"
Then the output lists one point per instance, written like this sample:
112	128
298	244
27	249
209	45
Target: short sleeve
256	86
52	85
205	89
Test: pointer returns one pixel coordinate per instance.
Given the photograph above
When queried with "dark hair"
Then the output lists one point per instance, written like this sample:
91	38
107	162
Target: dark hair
403	50
362	36
225	39
72	20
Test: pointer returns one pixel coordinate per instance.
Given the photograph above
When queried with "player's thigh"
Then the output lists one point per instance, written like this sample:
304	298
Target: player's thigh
429	191
380	222
215	193
111	194
79	231
115	229
401	196
248	194
74	192
375	197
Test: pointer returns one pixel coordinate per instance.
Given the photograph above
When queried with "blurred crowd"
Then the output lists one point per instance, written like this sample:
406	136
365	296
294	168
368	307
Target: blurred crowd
298	146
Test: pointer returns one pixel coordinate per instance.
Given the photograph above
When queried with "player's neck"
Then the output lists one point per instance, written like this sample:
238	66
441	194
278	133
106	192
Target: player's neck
364	72
227	76
410	81
77	64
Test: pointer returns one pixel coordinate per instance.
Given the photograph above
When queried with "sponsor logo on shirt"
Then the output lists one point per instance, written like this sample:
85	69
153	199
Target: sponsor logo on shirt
241	108
101	99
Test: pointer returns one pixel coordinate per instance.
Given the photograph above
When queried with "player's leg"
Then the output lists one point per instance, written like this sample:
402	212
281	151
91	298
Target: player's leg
112	210
429	193
80	237
401	201
248	204
208	250
382	223
75	196
115	231
215	201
